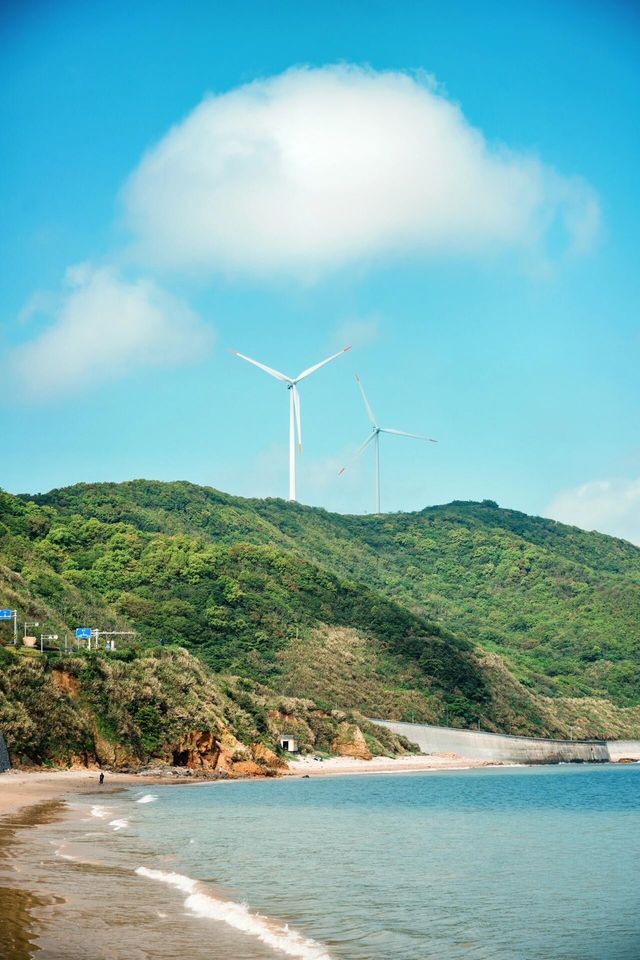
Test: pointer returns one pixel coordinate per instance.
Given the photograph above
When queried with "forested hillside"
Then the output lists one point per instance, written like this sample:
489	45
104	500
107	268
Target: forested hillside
461	613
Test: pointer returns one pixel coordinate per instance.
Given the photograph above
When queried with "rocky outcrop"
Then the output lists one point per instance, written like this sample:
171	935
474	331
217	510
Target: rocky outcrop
350	742
199	750
66	682
267	758
203	751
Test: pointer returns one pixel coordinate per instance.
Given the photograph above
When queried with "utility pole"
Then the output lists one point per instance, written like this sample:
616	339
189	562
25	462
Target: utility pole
46	636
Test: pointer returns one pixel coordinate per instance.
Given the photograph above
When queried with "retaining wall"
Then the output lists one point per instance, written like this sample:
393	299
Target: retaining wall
478	745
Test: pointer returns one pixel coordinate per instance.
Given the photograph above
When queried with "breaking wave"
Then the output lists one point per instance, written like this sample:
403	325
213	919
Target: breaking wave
148	798
118	824
237	915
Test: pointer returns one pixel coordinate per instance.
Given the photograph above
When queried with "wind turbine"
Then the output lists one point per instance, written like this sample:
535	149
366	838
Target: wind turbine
295	424
375	437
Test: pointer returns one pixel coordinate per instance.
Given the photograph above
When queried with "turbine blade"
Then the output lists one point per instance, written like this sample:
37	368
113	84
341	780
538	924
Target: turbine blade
296	407
256	363
374	422
358	453
401	433
323	363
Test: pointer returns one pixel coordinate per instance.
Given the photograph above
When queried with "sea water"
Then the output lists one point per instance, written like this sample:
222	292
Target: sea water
498	864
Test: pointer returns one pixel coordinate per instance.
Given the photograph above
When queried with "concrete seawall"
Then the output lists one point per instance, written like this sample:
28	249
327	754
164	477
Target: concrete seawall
624	749
493	746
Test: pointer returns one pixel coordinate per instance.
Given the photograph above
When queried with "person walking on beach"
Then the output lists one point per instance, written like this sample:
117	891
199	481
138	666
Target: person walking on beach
101	779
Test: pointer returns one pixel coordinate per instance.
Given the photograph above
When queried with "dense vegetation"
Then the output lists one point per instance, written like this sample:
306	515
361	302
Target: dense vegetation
158	705
460	612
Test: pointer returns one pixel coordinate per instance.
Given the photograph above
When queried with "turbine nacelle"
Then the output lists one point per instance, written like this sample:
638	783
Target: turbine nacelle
375	436
295	420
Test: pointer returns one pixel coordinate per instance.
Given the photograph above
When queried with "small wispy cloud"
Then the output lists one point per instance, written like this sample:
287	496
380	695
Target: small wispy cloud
314	169
99	328
359	332
40	303
609	506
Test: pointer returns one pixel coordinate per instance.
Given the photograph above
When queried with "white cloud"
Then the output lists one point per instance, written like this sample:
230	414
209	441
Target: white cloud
316	168
101	327
609	506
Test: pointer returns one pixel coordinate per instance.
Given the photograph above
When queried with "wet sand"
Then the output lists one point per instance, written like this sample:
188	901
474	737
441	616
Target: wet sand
17	904
20	789
29	800
71	887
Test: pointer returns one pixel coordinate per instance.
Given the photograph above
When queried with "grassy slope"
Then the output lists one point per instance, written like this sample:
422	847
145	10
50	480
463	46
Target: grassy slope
561	606
154	707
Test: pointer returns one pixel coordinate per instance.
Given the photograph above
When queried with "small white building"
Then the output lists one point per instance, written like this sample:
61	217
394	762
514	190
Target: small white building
288	743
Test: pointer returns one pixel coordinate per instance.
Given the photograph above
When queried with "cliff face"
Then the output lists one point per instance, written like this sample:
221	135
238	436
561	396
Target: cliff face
164	709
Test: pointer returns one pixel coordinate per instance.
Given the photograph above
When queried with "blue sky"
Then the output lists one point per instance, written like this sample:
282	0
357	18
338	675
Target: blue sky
458	197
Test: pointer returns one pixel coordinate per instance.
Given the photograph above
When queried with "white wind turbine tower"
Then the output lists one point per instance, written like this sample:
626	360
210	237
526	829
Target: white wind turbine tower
295	424
375	437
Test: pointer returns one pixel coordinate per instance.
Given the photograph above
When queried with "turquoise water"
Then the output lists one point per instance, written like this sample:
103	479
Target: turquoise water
506	864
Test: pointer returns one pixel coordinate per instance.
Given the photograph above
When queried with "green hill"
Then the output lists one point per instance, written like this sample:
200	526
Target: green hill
464	612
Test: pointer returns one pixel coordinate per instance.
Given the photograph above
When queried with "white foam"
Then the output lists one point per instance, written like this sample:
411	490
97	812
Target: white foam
237	915
148	798
59	853
99	811
118	824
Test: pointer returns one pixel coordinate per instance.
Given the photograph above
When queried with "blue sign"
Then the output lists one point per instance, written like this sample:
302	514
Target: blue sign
6	614
83	633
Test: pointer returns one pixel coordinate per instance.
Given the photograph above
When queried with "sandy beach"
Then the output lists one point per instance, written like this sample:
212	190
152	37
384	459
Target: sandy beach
20	789
309	766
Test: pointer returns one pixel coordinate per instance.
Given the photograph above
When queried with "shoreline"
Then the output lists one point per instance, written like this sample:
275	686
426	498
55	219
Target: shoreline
33	799
30	799
20	789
